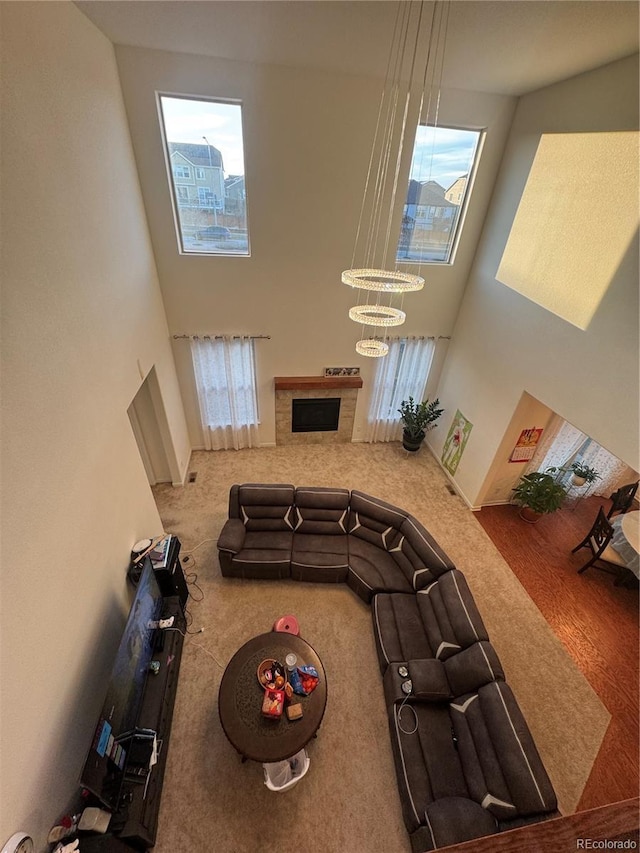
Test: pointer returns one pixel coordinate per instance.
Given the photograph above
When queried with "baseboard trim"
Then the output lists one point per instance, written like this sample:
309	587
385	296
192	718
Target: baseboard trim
185	471
455	485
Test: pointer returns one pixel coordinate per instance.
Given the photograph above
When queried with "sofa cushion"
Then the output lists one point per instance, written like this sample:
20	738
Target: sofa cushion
265	554
258	564
450	615
372	569
266	506
452	820
418	554
426	759
375	521
319	558
398	629
267	540
436	622
502	767
322	510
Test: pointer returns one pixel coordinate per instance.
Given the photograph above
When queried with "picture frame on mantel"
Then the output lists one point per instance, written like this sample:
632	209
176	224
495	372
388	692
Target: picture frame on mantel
342	371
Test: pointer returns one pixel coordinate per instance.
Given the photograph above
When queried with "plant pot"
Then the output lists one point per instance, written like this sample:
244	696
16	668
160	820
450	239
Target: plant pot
529	515
578	481
411	442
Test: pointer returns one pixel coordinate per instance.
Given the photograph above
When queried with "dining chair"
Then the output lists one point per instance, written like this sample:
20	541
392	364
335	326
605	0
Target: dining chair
622	498
597	541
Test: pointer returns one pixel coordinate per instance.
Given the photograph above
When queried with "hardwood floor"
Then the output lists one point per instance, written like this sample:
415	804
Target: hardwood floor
596	621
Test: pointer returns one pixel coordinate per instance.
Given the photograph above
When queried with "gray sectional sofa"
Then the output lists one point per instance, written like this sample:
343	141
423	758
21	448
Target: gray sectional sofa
466	763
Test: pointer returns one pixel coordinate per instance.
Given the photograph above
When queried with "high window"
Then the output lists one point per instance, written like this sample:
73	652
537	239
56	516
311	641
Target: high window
203	137
442	169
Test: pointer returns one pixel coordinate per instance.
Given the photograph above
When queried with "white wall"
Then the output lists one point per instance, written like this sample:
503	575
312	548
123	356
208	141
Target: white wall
505	344
83	321
308	137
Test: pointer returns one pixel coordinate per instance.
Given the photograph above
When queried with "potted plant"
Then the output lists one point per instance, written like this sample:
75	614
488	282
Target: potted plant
583	474
417	419
538	494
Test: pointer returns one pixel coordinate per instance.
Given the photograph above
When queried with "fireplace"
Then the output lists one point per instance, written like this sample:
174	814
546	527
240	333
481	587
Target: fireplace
315	409
315	414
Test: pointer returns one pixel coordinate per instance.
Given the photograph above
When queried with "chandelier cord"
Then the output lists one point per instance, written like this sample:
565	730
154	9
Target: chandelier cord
427	84
445	8
401	102
375	137
402	132
392	95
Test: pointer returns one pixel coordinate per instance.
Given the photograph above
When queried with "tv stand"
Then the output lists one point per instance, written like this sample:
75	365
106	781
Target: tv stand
134	824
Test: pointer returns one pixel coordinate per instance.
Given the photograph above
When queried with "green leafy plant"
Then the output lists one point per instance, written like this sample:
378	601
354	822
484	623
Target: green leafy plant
419	418
539	492
585	471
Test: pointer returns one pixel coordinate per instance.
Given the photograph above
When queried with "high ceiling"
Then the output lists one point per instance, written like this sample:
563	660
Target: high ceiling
502	46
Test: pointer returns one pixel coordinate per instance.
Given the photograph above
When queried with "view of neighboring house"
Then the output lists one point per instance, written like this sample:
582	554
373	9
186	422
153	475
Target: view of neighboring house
428	218
198	174
456	191
235	197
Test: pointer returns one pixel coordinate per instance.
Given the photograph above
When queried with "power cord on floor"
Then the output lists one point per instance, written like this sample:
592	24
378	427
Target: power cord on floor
192	579
204	541
197	645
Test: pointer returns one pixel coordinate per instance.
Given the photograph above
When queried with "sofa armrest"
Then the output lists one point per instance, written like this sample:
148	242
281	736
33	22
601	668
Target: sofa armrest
429	680
451	820
232	536
471	668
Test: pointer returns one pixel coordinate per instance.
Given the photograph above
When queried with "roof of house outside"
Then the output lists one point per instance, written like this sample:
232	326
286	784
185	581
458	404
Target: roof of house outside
199	155
427	193
233	180
457	180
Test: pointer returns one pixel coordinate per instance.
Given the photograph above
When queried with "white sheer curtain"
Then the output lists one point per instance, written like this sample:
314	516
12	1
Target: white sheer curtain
224	371
607	465
563	444
401	374
559	446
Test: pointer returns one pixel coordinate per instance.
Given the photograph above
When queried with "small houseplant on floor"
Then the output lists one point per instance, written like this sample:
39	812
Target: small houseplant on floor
583	474
417	419
538	494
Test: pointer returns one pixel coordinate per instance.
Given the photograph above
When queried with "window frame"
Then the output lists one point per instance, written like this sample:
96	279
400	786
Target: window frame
171	182
463	208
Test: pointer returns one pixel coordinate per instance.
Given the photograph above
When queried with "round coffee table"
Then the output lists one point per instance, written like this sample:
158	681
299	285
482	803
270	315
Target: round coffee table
240	701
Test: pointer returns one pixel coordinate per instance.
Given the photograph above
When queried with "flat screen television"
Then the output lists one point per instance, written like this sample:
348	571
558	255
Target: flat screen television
105	765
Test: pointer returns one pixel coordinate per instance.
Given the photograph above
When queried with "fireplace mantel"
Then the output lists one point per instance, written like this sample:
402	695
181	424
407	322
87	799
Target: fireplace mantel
316	383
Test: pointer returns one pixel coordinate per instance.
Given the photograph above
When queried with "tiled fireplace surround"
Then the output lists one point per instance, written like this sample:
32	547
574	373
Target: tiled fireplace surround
288	388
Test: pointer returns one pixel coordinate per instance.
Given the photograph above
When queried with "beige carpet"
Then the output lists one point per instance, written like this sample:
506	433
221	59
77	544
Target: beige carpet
348	801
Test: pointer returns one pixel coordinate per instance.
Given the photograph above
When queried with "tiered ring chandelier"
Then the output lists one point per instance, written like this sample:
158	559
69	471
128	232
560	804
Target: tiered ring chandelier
409	95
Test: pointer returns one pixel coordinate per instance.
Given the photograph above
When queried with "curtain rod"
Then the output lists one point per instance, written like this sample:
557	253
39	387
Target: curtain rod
413	338
222	337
